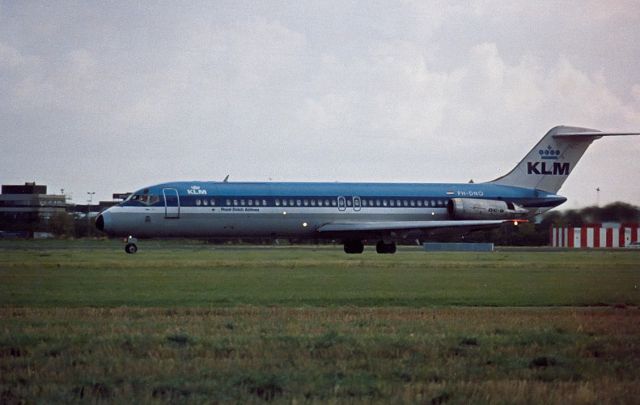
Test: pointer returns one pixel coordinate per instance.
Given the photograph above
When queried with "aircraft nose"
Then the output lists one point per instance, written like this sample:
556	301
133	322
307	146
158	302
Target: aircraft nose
103	222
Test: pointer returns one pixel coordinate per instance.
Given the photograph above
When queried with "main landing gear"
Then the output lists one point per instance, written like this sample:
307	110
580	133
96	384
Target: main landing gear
131	247
356	247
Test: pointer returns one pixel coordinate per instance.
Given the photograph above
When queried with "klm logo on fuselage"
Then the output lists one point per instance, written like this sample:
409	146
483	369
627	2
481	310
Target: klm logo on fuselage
549	168
196	190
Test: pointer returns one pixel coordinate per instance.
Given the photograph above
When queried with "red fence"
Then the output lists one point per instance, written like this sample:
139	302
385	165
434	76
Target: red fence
594	236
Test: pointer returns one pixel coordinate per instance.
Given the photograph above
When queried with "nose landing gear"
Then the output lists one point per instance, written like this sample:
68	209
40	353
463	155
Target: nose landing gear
131	245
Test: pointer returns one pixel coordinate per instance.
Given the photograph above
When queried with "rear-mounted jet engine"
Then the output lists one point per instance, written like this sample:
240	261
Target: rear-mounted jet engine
473	208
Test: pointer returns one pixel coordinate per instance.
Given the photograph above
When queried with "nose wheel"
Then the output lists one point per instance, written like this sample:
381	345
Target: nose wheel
131	247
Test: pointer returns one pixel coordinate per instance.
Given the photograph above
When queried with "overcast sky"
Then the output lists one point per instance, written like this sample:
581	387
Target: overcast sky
113	96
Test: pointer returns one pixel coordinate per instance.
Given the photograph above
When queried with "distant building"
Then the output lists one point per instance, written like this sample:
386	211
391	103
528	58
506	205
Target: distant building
608	235
26	211
25	206
95	209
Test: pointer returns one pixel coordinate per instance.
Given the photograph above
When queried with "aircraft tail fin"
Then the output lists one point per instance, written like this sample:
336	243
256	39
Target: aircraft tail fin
549	163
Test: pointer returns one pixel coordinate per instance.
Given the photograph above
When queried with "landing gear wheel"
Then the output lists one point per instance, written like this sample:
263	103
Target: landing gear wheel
353	247
385	248
131	248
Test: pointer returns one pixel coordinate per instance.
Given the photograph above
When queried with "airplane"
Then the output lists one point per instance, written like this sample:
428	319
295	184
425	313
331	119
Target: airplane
352	213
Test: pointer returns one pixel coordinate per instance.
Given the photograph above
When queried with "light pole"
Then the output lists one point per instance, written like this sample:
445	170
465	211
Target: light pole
89	201
597	196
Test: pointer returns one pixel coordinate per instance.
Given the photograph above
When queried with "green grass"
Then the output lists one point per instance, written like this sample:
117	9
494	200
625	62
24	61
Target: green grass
251	354
187	322
168	274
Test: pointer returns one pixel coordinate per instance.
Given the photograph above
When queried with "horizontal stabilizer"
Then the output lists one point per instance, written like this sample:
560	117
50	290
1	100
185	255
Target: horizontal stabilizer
596	134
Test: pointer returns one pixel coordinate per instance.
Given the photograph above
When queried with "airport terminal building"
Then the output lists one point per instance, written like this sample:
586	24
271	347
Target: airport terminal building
26	210
28	204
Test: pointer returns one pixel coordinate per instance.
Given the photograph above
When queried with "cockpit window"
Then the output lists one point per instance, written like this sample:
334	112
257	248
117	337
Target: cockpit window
145	199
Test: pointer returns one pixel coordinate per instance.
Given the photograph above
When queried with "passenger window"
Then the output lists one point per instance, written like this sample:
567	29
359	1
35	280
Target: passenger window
440	203
392	203
412	203
349	202
198	202
235	202
364	203
249	202
405	203
299	203
384	203
213	202
278	202
326	203
205	202
419	202
334	203
313	203
306	202
264	202
228	202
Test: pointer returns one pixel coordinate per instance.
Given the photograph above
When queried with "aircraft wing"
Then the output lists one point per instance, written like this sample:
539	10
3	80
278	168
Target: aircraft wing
388	226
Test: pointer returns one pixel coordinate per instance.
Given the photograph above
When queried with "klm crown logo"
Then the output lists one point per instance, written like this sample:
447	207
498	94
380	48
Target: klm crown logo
549	168
549	153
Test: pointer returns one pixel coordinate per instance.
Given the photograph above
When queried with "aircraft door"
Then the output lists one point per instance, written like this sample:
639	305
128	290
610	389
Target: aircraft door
356	203
171	203
342	205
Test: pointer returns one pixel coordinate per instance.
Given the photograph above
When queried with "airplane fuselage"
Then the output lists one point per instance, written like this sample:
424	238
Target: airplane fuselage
220	209
353	213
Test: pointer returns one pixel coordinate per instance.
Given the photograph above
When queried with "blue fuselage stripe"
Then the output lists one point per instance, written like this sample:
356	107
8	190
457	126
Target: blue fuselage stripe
368	195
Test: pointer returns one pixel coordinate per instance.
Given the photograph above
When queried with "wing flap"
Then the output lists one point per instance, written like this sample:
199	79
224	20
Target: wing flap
408	225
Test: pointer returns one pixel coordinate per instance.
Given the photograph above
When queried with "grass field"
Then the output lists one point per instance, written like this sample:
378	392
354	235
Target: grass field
81	321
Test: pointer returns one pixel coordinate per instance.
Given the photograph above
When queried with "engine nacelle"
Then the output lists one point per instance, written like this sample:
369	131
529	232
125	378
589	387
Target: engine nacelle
474	208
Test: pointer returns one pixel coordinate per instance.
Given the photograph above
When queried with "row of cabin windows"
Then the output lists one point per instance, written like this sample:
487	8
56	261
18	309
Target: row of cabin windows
306	202
401	203
319	202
